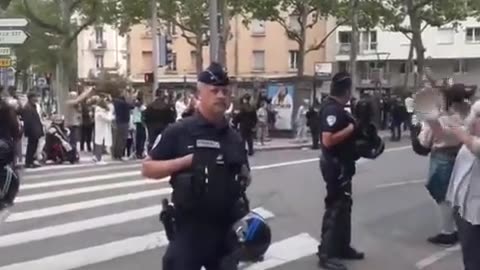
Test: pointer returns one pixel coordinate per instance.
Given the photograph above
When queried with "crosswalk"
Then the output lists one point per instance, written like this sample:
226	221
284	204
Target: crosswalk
80	217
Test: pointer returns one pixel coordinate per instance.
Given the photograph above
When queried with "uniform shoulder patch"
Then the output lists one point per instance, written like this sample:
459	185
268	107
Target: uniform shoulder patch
331	120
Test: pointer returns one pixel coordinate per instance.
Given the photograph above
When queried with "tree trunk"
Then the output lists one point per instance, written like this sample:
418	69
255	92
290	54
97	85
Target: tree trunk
301	44
354	45
199	54
408	66
416	26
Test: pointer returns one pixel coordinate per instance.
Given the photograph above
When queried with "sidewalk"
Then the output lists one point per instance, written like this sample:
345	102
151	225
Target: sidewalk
289	143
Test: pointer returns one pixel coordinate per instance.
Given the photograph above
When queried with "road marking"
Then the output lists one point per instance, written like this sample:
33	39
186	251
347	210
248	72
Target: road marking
88	256
81	171
101	253
66	208
286	251
68	166
77	226
82	190
79	180
402	183
435	257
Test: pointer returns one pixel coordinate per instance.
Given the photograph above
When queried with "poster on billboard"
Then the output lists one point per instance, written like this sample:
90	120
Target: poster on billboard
282	102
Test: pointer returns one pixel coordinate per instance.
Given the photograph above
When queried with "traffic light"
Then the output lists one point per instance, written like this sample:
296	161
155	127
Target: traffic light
148	77
166	52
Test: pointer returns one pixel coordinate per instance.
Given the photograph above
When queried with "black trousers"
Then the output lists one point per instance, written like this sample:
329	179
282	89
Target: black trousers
336	227
140	137
196	245
86	137
315	132
32	145
120	136
470	241
74	135
247	136
396	131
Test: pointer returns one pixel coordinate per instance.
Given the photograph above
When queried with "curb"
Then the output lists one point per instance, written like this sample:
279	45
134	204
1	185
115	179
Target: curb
293	146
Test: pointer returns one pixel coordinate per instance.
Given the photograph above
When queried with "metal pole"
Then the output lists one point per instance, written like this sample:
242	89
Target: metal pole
213	14
155	49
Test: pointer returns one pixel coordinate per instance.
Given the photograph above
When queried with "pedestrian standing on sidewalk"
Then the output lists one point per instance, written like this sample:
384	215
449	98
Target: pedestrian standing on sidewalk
140	131
86	132
262	123
33	129
73	115
103	127
120	126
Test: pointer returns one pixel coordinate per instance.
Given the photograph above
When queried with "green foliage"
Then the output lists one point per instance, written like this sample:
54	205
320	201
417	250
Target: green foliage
395	13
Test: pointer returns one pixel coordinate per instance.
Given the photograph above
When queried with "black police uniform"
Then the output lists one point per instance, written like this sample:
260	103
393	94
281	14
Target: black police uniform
337	165
208	197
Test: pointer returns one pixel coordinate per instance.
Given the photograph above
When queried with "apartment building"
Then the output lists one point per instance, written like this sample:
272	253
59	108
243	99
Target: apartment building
261	50
451	52
101	47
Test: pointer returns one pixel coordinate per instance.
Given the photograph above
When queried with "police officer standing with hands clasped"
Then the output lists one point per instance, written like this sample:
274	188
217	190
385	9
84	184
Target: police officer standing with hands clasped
337	164
209	170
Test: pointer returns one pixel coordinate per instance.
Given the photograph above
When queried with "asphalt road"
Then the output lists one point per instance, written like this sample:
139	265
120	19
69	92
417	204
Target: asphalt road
105	217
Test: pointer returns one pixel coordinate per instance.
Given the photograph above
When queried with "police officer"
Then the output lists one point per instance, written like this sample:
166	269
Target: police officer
337	164
208	165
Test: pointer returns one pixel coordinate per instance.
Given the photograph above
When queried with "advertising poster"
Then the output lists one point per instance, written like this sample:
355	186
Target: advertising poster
282	103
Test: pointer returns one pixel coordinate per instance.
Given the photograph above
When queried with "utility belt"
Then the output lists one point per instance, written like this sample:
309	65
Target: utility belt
200	196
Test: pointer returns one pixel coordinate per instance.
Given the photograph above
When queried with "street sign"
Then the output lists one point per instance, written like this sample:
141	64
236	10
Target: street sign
5	62
5	51
12	22
323	70
13	37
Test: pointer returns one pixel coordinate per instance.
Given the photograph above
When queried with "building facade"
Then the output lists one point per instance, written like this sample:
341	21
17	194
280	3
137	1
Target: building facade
451	52
261	50
101	47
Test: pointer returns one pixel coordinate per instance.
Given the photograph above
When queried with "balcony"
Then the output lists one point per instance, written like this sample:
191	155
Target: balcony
96	46
364	48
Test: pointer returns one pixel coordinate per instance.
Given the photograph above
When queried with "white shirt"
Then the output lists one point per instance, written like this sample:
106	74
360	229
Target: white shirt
409	104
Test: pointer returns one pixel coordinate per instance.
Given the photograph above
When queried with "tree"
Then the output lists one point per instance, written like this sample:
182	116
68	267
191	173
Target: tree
63	21
412	16
190	16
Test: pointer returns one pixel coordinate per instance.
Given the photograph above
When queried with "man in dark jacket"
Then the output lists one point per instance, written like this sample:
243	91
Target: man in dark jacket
247	121
121	125
33	129
158	115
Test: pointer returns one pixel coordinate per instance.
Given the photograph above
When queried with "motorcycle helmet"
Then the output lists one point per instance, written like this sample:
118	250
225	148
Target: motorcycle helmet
252	237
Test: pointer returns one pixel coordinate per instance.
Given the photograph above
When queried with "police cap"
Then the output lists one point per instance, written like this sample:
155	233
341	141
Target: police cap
215	74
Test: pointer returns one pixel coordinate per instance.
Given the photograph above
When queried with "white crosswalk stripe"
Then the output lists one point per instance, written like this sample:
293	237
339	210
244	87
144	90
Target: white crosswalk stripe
88	215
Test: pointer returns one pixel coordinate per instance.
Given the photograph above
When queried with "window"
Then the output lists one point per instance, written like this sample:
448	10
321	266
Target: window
343	66
99	61
294	25
259	60
344	37
173	65
293	60
460	66
193	59
368	40
99	35
473	34
445	36
147	60
172	29
258	28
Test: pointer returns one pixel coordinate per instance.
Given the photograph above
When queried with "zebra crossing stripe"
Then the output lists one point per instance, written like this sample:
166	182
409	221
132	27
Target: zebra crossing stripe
82	190
79	180
102	253
285	251
95	169
66	208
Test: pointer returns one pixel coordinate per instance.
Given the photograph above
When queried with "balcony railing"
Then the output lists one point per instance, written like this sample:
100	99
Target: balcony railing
344	48
98	46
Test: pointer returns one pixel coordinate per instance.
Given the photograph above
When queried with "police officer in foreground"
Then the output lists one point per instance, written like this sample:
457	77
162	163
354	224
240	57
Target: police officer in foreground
209	170
337	164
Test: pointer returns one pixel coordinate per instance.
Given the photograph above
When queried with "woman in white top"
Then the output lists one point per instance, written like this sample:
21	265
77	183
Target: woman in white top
464	189
104	115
